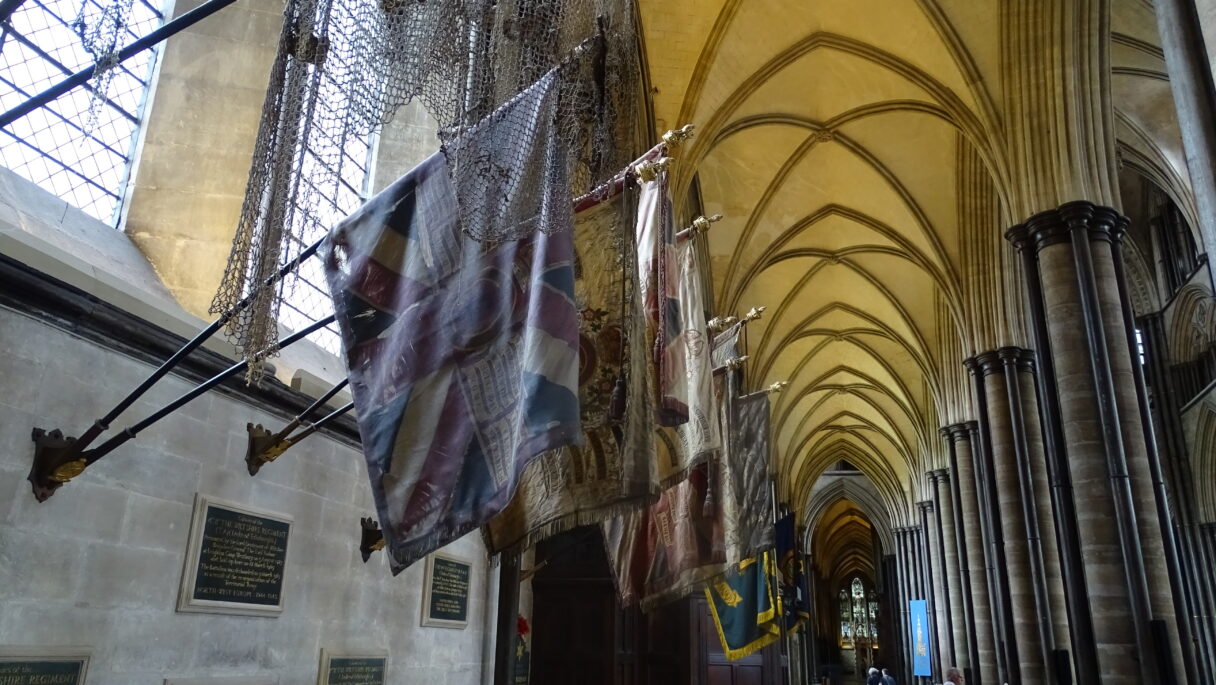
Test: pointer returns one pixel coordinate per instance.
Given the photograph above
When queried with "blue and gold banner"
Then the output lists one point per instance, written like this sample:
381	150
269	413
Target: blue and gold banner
744	607
918	620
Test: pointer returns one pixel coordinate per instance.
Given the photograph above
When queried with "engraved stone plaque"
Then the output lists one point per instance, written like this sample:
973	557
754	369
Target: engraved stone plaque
43	666
235	561
352	668
242	680
445	594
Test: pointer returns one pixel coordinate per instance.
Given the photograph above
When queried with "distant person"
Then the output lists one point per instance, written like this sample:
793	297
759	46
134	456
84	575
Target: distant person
887	678
875	678
954	675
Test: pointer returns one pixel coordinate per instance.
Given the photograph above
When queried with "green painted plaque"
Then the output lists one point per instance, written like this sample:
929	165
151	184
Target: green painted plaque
241	558
32	671
447	592
362	670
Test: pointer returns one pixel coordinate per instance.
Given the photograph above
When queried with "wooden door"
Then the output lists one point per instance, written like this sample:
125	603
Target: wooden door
761	668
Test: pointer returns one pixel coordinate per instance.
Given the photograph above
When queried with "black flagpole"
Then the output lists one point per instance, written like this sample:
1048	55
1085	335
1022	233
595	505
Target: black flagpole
58	459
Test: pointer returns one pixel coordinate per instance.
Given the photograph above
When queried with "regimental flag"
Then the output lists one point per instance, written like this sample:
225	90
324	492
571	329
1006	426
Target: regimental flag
668	550
726	345
462	355
743	605
749	509
611	470
791	576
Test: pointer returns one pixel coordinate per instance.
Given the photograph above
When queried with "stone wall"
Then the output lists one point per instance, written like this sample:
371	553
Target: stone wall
99	564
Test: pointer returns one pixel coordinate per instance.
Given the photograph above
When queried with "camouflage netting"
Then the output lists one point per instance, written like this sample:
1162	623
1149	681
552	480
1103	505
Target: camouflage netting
346	66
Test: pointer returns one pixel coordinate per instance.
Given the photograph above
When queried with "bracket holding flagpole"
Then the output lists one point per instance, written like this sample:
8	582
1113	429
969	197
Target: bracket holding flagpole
264	446
737	363
754	314
371	538
59	458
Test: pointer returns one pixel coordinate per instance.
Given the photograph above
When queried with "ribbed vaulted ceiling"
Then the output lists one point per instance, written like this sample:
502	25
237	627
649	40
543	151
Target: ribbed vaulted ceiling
855	151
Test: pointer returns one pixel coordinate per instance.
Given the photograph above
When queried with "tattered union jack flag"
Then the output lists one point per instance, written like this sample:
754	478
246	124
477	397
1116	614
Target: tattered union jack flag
462	356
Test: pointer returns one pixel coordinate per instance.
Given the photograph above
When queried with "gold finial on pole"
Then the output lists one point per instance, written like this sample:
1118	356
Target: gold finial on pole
701	224
777	387
736	363
754	313
675	137
649	171
721	323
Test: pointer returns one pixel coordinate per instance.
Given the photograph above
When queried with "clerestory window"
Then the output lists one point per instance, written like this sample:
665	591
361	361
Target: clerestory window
78	149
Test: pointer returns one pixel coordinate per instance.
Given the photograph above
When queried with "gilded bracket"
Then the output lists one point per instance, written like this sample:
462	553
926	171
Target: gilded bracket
737	362
721	323
649	171
371	539
674	137
777	387
57	460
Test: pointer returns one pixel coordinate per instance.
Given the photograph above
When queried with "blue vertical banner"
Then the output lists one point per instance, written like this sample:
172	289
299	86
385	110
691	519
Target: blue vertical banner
918	624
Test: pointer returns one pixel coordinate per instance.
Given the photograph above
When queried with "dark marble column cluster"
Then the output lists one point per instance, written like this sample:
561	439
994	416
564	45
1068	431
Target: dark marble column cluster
1019	495
949	597
1197	580
973	566
1094	407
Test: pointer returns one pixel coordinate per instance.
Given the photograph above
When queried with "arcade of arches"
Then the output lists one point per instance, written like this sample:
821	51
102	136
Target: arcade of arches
981	231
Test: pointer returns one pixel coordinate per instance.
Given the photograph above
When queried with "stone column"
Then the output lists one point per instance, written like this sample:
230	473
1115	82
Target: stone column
1190	71
965	642
1043	507
1029	615
933	577
990	518
905	591
894	642
1153	506
1063	504
972	564
941	573
951	582
1127	582
1176	458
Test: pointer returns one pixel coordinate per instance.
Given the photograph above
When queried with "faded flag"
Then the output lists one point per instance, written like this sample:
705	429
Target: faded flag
462	356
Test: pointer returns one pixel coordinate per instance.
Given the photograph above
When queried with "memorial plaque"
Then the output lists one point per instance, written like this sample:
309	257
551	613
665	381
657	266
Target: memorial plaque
42	666
235	561
445	597
353	668
239	680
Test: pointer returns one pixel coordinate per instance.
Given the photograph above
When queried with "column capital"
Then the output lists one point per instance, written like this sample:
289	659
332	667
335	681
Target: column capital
955	432
1023	358
926	505
1056	226
940	475
986	363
